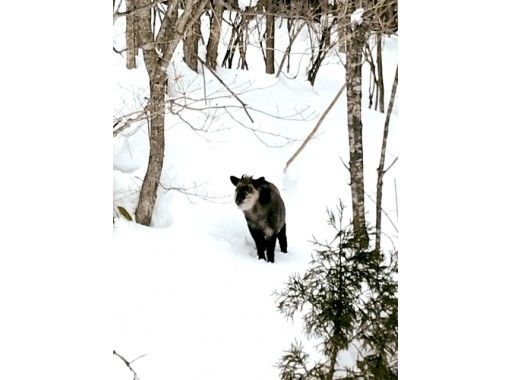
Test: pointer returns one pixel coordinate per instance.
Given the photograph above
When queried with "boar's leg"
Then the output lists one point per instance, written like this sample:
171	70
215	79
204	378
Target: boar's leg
260	242
282	239
271	242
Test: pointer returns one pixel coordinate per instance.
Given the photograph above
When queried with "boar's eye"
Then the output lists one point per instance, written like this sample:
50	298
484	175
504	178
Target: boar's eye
244	189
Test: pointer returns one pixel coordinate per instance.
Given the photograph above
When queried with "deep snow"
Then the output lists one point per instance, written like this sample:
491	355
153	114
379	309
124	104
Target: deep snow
190	292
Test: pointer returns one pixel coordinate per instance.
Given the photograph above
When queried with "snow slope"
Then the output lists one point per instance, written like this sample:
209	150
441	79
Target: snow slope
190	292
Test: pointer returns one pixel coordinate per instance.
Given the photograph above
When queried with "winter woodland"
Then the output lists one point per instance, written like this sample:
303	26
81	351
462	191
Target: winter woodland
302	93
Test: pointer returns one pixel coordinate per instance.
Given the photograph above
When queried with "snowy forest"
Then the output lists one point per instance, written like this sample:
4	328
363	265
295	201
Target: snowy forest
255	189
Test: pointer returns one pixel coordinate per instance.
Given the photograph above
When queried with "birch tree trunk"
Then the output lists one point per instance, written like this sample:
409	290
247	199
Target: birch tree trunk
354	56
214	36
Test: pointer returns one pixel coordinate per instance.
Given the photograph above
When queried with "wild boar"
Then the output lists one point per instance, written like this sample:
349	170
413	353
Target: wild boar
264	211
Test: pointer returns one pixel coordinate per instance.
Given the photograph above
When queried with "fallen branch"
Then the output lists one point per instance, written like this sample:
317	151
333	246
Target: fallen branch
315	129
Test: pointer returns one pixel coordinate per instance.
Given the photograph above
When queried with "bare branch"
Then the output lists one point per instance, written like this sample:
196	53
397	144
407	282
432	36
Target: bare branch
315	129
192	191
344	164
257	131
380	169
123	123
384	212
118	14
128	363
389	167
228	89
287	51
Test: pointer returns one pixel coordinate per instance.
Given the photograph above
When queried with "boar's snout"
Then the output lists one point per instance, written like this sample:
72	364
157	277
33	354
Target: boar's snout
240	197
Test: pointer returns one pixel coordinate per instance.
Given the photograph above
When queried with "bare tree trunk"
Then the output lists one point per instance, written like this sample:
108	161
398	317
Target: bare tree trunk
286	55
373	81
269	38
157	53
380	169
131	46
190	44
323	49
354	55
148	193
242	42
380	85
214	36
332	363
156	110
234	40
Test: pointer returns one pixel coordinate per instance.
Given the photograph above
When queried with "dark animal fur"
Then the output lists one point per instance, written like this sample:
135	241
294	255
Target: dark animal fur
264	211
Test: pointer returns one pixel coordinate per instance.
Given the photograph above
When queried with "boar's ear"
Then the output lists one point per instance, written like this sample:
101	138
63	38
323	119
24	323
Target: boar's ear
264	195
259	182
234	180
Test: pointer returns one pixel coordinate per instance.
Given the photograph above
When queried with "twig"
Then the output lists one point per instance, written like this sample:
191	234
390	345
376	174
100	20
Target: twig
193	192
256	131
122	124
384	212
118	51
344	164
228	89
315	129
116	11
203	77
389	167
118	14
128	363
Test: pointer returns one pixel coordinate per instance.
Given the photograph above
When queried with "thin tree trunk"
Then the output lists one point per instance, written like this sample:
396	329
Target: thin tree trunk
354	55
242	43
380	169
131	46
150	184
324	46
269	39
332	363
373	81
166	41
214	36
234	38
380	85
286	55
156	122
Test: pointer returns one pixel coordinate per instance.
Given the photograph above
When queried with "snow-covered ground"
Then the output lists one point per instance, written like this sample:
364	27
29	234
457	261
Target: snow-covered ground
189	292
